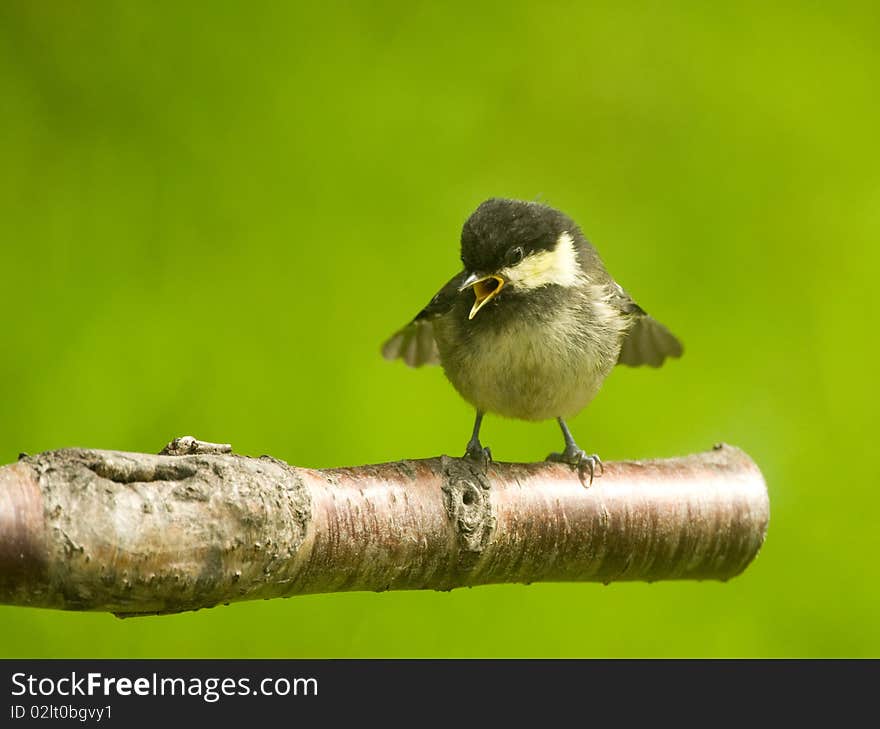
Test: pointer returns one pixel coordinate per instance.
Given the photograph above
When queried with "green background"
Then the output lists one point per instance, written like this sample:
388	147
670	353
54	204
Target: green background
212	215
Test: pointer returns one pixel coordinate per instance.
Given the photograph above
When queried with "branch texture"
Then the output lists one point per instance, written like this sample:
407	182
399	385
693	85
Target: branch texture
136	534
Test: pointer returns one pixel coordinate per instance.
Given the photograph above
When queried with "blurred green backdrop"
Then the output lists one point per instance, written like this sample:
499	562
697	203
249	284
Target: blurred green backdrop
212	214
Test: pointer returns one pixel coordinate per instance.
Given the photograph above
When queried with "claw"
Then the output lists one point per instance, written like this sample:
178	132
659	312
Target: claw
576	458
479	455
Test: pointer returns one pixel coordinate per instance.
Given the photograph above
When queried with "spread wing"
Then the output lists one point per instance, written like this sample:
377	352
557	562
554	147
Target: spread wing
415	343
647	341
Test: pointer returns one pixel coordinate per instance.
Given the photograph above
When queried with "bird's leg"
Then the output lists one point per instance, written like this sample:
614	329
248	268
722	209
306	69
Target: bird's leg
475	451
575	456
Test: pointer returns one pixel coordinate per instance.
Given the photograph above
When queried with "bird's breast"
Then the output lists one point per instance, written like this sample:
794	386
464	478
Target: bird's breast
533	366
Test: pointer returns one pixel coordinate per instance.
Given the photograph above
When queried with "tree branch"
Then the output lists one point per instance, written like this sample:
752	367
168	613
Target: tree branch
137	534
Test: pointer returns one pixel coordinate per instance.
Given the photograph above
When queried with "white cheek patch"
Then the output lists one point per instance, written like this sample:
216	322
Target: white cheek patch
559	266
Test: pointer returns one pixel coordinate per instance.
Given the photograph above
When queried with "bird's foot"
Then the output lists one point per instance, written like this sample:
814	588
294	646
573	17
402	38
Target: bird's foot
577	458
478	455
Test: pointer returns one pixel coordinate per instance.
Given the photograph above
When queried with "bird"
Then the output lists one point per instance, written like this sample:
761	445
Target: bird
532	325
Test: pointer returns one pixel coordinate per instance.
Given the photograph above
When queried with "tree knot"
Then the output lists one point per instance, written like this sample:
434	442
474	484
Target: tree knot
466	496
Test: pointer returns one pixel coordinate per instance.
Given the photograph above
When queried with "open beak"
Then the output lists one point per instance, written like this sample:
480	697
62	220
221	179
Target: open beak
485	289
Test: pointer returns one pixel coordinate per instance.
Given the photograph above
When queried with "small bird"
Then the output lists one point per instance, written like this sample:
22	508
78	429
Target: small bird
533	324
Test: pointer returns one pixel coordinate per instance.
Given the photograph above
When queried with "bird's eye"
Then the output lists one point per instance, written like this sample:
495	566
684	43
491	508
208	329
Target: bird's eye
514	256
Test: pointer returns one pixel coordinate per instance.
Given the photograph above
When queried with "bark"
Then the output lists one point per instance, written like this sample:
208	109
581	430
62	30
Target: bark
136	534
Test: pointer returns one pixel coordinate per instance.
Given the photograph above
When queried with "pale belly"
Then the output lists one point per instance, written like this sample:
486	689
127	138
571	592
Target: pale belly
528	371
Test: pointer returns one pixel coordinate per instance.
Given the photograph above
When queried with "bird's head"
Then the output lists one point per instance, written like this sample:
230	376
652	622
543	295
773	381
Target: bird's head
512	245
